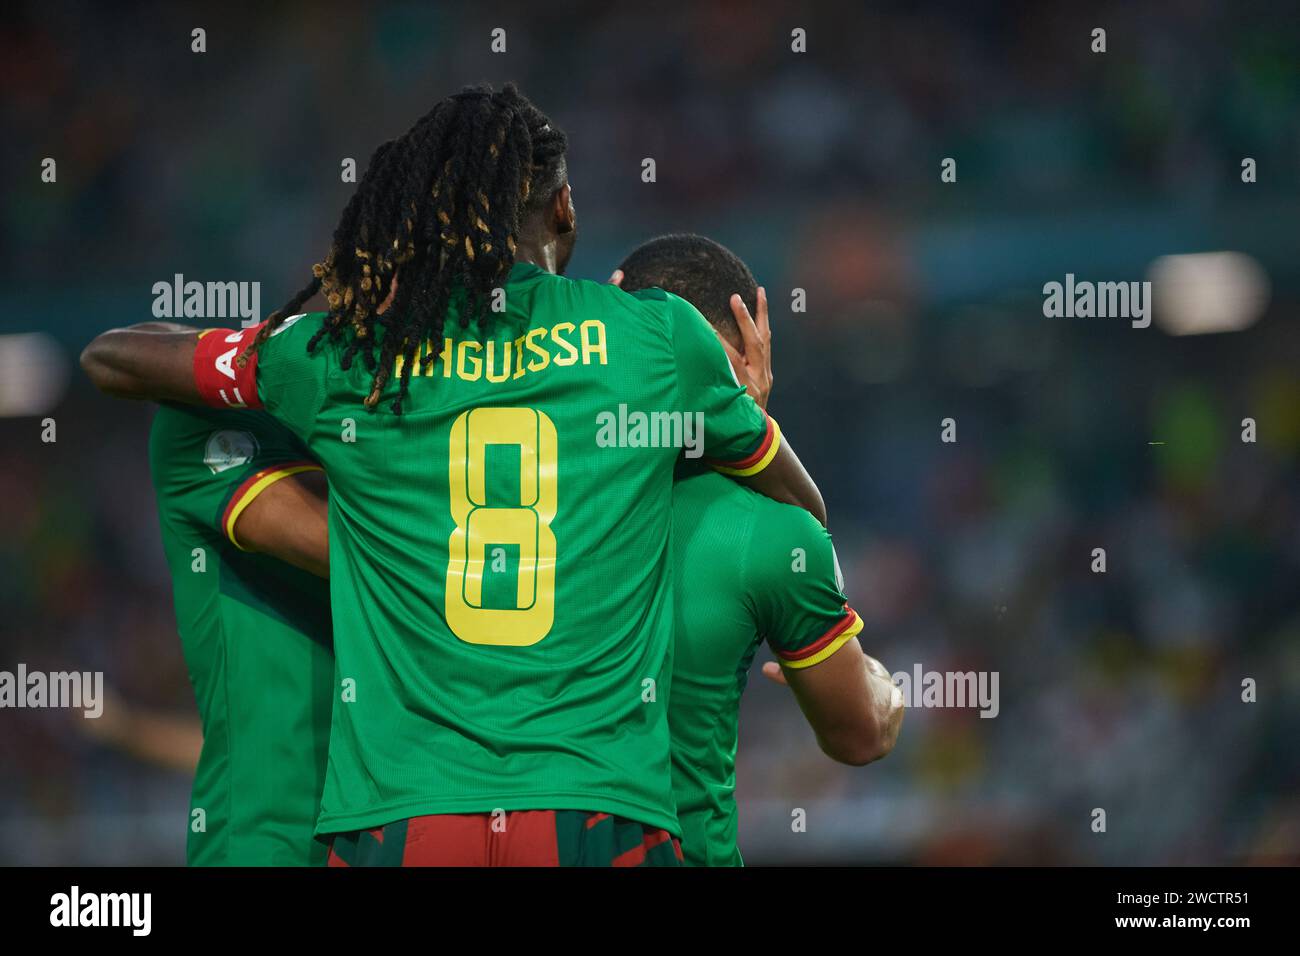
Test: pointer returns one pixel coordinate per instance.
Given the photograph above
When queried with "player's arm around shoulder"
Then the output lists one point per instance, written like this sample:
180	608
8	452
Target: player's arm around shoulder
217	367
151	360
847	697
741	441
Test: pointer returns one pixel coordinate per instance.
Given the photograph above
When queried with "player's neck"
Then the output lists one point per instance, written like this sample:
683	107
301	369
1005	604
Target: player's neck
542	253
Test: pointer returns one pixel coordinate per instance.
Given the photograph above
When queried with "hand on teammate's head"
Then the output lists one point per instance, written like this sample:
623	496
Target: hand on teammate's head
753	365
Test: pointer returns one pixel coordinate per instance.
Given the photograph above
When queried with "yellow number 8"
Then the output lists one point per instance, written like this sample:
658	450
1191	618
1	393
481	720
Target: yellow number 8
527	525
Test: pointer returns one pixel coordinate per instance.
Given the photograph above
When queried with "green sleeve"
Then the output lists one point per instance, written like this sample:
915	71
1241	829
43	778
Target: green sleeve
291	382
794	586
210	464
737	434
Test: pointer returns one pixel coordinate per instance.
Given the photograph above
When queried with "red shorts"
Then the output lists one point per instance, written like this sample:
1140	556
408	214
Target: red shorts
517	838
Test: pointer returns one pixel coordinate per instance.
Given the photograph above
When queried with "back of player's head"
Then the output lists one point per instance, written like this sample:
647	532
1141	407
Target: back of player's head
446	202
703	272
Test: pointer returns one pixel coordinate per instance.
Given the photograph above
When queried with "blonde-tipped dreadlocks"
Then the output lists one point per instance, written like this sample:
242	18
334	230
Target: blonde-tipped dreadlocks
444	202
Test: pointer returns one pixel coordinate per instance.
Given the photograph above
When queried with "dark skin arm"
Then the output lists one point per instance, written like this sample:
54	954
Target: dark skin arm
289	521
166	740
786	480
153	360
849	700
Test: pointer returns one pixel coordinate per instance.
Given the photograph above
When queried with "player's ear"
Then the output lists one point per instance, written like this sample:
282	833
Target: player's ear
562	207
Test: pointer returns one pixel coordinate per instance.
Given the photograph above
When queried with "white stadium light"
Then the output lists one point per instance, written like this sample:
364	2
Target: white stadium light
33	374
1203	292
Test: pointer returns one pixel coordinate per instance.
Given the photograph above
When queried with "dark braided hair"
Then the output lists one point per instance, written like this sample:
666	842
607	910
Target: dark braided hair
444	202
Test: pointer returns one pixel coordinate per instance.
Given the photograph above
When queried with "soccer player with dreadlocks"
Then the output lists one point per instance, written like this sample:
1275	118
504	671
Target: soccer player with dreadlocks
500	581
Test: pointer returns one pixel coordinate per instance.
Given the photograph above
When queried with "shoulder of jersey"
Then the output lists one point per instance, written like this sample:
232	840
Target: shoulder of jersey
645	303
779	514
654	299
718	490
650	295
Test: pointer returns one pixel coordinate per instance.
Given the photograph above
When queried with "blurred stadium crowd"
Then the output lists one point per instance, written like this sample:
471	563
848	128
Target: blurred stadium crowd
1119	690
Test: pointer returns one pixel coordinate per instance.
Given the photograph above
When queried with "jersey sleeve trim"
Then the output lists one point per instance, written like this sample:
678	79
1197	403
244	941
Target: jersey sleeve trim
846	627
762	457
246	493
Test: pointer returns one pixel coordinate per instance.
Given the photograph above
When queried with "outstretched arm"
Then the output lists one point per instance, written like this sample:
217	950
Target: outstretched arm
153	360
172	741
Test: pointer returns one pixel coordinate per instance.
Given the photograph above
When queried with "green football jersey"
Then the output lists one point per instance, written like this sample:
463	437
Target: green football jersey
499	552
256	638
747	569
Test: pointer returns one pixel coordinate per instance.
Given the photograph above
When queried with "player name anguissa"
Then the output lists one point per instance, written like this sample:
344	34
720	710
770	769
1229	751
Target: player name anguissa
505	360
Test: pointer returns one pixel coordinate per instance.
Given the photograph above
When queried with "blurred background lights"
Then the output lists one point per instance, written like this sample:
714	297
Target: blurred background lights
33	374
1205	292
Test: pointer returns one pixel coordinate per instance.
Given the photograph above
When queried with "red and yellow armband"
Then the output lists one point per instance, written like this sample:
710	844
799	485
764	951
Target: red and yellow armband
761	457
253	486
220	378
849	625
